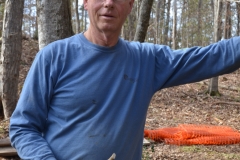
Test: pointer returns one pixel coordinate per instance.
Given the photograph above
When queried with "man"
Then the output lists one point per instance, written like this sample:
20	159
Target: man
86	97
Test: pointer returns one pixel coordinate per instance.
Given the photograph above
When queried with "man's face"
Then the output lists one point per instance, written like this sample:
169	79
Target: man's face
108	15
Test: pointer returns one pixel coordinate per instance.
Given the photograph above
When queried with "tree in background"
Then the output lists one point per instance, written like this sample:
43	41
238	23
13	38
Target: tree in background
2	3
77	17
10	55
213	83
159	4
193	25
228	21
54	21
174	28
143	21
238	17
166	39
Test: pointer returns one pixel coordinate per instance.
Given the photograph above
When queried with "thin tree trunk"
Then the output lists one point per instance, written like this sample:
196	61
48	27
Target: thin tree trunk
227	25
183	24
166	29
238	18
143	21
200	23
174	28
10	55
1	16
77	17
157	39
130	27
82	18
162	17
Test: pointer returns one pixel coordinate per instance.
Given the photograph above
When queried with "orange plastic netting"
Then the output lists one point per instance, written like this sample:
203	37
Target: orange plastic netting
191	134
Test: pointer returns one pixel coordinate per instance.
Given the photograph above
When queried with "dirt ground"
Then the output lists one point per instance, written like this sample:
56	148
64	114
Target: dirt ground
186	104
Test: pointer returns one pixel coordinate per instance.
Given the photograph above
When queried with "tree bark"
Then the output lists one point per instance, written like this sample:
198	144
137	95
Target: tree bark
157	38
162	17
166	29
143	21
200	23
238	18
213	83
10	55
54	21
227	25
174	27
77	17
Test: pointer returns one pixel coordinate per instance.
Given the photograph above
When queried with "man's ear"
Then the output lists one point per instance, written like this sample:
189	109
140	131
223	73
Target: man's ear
131	2
85	3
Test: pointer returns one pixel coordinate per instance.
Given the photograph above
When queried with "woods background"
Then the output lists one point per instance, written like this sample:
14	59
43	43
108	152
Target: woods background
193	23
177	23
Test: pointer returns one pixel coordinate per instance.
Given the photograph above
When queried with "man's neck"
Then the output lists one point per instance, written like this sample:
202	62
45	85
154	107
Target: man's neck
102	38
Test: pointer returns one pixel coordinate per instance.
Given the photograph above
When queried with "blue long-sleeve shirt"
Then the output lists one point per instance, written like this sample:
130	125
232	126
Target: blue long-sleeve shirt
84	101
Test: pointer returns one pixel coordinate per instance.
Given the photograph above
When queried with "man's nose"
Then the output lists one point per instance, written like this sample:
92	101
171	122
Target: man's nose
108	3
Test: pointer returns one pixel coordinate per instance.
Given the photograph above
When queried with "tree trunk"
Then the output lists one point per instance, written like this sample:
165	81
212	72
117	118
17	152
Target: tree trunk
82	18
10	55
54	21
143	21
199	23
77	17
166	28
157	39
227	25
238	18
213	83
174	28
183	24
162	18
1	16
131	21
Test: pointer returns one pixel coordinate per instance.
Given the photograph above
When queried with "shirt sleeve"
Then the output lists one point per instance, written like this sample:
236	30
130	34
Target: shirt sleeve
28	121
177	67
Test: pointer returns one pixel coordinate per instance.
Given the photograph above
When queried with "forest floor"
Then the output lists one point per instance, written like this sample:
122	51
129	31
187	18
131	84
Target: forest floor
185	104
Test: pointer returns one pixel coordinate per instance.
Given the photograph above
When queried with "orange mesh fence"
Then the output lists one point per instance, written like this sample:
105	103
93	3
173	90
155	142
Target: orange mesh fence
221	140
189	134
161	134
